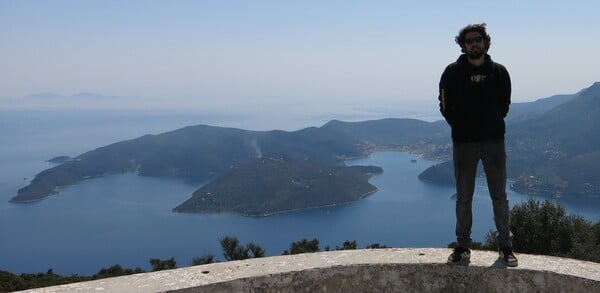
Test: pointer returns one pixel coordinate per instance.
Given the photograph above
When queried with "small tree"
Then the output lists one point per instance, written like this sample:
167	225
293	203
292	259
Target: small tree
255	249
202	260
233	250
586	244
159	265
540	228
376	246
115	271
545	228
303	246
347	245
491	241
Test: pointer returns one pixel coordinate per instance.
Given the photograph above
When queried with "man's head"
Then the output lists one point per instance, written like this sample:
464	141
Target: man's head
474	40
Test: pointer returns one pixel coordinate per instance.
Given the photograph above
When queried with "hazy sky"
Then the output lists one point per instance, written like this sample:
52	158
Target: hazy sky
283	52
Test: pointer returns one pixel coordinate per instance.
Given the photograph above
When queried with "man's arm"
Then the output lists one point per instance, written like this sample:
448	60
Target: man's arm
446	98
506	91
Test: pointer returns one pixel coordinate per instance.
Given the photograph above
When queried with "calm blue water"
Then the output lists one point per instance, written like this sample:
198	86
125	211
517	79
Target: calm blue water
126	219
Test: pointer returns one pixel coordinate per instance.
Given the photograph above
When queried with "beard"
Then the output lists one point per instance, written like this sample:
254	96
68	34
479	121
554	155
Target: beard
476	53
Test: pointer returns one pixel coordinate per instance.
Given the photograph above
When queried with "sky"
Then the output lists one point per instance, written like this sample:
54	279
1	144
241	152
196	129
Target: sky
264	53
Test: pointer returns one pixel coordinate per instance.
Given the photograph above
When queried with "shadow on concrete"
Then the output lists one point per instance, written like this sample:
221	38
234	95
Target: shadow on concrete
499	264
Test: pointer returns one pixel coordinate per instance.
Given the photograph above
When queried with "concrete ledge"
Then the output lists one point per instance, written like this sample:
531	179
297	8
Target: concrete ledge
373	270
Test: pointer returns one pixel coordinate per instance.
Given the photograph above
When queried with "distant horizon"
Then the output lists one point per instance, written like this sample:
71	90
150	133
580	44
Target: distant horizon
91	100
286	53
258	118
247	115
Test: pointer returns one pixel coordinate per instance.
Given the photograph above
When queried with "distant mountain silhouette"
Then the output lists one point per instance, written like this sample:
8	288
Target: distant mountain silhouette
523	111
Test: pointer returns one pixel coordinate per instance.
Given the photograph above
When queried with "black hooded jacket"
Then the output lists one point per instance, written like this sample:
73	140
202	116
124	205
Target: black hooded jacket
475	100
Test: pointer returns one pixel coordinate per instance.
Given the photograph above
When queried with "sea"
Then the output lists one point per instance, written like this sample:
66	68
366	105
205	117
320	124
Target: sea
126	219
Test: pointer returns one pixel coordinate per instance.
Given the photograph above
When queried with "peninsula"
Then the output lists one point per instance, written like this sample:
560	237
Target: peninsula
249	172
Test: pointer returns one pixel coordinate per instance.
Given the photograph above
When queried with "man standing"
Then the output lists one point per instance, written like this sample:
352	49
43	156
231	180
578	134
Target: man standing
474	99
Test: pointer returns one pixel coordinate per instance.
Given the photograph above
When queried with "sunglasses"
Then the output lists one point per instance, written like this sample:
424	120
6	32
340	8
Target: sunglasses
470	41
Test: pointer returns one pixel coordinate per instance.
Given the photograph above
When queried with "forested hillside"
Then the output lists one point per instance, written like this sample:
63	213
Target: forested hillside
553	148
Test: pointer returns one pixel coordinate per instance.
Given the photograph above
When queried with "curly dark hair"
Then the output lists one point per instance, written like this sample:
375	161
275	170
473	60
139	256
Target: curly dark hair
480	28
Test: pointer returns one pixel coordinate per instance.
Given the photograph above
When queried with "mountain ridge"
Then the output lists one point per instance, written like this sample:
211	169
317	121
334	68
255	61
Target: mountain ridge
555	152
537	148
202	152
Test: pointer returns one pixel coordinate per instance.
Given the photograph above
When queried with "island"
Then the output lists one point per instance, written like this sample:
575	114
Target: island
273	184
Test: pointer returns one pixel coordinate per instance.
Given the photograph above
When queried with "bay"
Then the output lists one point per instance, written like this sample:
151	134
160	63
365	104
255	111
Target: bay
127	220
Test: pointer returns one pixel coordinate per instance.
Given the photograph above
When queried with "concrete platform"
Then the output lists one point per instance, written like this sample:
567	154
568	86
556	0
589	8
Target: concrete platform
368	270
